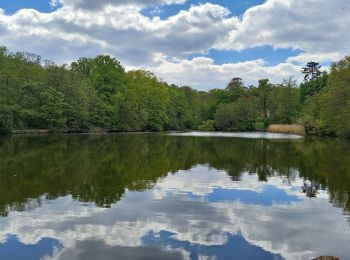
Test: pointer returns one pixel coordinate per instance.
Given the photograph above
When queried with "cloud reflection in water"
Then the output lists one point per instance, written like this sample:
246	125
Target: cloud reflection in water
190	214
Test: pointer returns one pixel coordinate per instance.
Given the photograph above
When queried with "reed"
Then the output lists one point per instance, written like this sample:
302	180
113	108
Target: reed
287	129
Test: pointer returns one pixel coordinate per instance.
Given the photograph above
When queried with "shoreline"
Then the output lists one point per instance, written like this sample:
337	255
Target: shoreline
43	132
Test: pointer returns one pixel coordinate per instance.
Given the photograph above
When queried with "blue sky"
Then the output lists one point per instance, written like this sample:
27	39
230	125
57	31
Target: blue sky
272	56
187	42
237	7
12	6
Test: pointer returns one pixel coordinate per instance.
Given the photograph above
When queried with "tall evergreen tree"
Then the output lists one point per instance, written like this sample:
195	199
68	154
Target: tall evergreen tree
311	71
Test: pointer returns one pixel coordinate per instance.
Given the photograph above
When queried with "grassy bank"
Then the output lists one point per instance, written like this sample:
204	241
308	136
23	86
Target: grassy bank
30	132
66	131
52	131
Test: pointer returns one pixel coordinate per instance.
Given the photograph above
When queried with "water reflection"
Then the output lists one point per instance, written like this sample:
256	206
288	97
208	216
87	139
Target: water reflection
14	249
167	197
249	135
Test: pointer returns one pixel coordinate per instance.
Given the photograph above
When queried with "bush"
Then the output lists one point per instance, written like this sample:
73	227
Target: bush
208	125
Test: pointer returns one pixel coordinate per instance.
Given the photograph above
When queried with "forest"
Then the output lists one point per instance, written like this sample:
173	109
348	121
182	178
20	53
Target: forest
98	94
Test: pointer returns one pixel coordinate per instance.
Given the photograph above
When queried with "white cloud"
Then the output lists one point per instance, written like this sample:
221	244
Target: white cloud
303	58
203	74
121	31
117	27
315	26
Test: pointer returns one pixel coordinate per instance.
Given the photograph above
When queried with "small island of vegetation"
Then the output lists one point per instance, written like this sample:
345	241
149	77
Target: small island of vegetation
98	94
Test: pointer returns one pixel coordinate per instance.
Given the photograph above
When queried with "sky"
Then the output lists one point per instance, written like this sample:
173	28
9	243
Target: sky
197	43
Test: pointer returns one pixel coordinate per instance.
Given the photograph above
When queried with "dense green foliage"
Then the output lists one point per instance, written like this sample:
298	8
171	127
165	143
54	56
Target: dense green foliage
327	109
90	94
95	94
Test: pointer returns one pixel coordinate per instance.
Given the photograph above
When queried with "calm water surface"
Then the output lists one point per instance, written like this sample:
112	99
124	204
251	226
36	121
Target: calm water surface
178	196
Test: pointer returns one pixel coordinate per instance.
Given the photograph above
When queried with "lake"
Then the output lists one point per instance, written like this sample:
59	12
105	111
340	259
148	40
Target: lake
174	196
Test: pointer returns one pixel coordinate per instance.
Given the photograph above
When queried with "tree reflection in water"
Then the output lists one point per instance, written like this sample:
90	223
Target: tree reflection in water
209	197
100	168
310	189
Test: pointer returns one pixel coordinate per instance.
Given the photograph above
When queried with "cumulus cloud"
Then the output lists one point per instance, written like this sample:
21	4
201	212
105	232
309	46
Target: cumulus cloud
315	26
202	73
121	31
303	58
117	27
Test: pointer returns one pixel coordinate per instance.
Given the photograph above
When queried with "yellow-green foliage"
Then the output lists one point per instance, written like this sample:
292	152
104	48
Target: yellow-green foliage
288	129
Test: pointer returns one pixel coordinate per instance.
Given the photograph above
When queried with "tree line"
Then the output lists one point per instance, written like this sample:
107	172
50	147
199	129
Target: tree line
94	94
